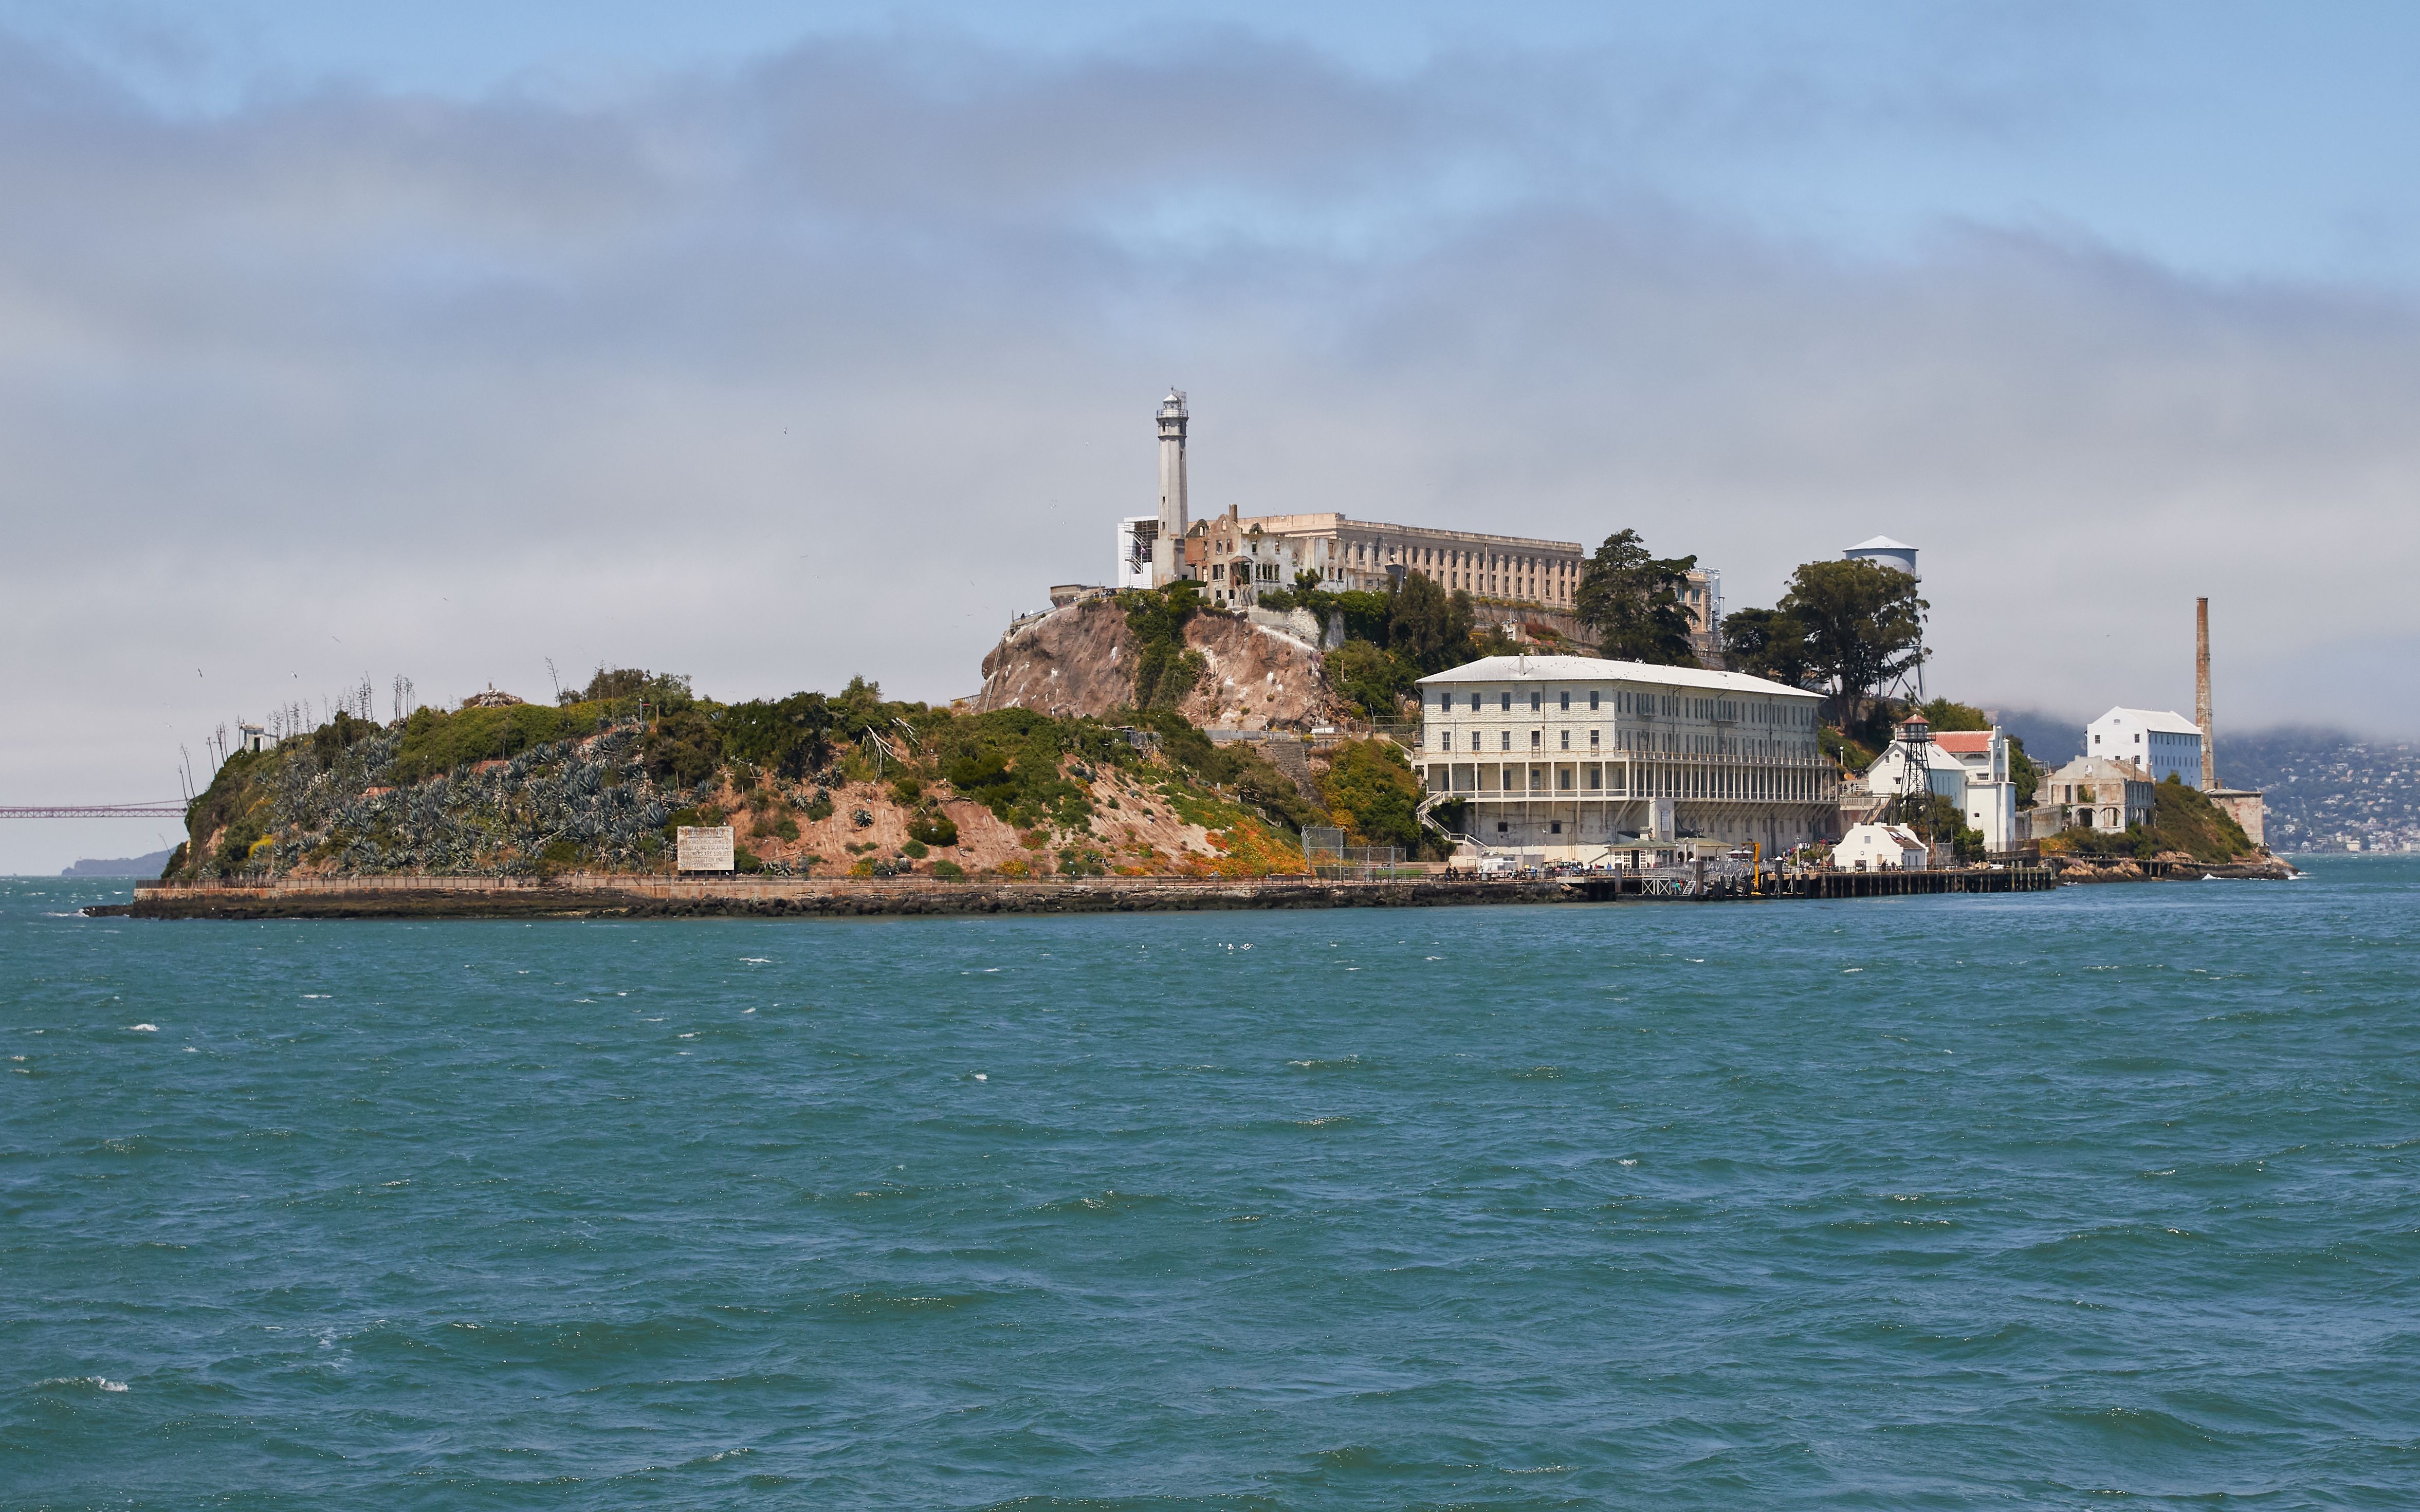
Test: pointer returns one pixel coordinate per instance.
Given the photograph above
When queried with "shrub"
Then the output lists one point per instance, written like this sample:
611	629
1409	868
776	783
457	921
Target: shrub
1370	789
1374	679
1081	862
905	790
435	742
820	809
746	859
933	829
624	689
792	736
338	735
914	850
949	871
682	750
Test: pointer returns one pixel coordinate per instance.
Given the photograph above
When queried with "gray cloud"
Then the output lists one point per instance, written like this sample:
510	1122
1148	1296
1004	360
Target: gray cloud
831	363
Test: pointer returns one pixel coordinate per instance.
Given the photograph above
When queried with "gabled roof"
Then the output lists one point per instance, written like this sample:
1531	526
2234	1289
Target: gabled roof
2100	767
2167	721
1898	834
1595	669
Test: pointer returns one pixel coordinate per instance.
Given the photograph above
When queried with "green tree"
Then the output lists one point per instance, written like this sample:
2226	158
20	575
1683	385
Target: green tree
1370	677
1165	670
1371	790
1946	715
1429	627
682	750
792	736
2024	772
1865	625
1766	643
1632	601
624	687
859	708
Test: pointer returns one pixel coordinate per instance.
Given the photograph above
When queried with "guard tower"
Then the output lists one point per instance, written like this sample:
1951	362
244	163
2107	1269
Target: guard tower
1915	773
1168	548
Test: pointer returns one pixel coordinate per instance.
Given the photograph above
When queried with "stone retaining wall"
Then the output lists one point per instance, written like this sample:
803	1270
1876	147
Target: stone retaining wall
575	896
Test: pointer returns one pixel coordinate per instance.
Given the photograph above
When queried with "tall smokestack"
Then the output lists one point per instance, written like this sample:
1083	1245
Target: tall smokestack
2202	695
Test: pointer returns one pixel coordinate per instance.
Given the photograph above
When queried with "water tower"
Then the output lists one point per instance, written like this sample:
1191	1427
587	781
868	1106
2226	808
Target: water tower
1885	552
1899	557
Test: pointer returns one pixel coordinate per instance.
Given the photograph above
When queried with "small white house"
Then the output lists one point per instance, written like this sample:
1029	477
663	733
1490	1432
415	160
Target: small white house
2161	741
1945	775
1970	768
1880	848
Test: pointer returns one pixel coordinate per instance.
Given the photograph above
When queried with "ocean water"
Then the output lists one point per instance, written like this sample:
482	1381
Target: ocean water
1956	1202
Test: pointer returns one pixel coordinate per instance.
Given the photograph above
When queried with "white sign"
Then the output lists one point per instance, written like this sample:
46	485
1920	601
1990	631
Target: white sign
704	849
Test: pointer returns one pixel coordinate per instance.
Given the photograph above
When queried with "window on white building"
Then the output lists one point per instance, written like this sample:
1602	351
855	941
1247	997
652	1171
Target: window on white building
1537	701
1567	703
1592	738
1508	740
1504	701
1567	740
1594	695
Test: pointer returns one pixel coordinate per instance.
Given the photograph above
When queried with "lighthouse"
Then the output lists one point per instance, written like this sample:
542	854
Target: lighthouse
1168	548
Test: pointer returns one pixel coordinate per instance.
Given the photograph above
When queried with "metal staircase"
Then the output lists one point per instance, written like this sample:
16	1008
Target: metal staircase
1428	819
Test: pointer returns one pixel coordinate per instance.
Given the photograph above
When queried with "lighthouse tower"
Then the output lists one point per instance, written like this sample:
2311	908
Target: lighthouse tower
1168	548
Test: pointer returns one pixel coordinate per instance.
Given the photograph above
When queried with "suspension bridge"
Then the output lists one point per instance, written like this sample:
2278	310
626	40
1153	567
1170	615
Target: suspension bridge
165	809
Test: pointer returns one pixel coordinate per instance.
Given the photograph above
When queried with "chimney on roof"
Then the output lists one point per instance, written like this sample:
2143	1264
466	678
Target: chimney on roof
2201	694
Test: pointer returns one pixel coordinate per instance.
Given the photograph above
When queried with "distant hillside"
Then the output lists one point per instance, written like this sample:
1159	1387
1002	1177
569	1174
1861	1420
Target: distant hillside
2049	739
127	866
2327	788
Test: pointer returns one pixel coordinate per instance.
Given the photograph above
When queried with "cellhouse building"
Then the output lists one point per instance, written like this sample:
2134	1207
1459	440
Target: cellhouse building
1562	757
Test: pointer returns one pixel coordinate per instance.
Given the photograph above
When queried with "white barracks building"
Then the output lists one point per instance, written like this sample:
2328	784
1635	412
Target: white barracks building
1563	755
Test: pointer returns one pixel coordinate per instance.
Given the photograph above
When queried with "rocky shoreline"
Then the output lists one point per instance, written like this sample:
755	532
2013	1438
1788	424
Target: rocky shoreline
628	896
2177	869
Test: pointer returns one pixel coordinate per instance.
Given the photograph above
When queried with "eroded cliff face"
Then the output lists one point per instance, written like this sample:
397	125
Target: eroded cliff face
1081	660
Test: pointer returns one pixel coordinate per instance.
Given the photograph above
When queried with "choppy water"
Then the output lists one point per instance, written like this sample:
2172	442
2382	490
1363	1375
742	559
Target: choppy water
1916	1202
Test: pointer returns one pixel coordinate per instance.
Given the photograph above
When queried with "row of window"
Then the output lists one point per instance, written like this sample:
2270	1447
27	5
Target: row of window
1671	706
1268	573
1652	741
1610	779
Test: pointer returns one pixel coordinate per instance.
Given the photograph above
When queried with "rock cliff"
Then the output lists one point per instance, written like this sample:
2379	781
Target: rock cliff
1081	660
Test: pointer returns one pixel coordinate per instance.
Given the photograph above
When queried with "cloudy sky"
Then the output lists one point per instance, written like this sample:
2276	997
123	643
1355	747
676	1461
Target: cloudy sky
777	343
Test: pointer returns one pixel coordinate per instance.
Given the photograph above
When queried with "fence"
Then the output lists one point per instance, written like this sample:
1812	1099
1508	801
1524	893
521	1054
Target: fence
1324	848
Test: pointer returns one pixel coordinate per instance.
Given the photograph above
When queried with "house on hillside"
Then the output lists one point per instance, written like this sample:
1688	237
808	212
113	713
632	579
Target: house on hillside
1969	767
2162	741
1880	848
2093	793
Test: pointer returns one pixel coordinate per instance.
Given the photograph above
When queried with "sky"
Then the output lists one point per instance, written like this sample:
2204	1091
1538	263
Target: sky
778	343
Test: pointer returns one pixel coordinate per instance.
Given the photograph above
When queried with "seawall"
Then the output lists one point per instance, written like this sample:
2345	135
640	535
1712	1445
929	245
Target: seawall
640	897
586	896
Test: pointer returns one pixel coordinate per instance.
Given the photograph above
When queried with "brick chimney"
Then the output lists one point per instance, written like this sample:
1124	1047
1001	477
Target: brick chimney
2201	694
